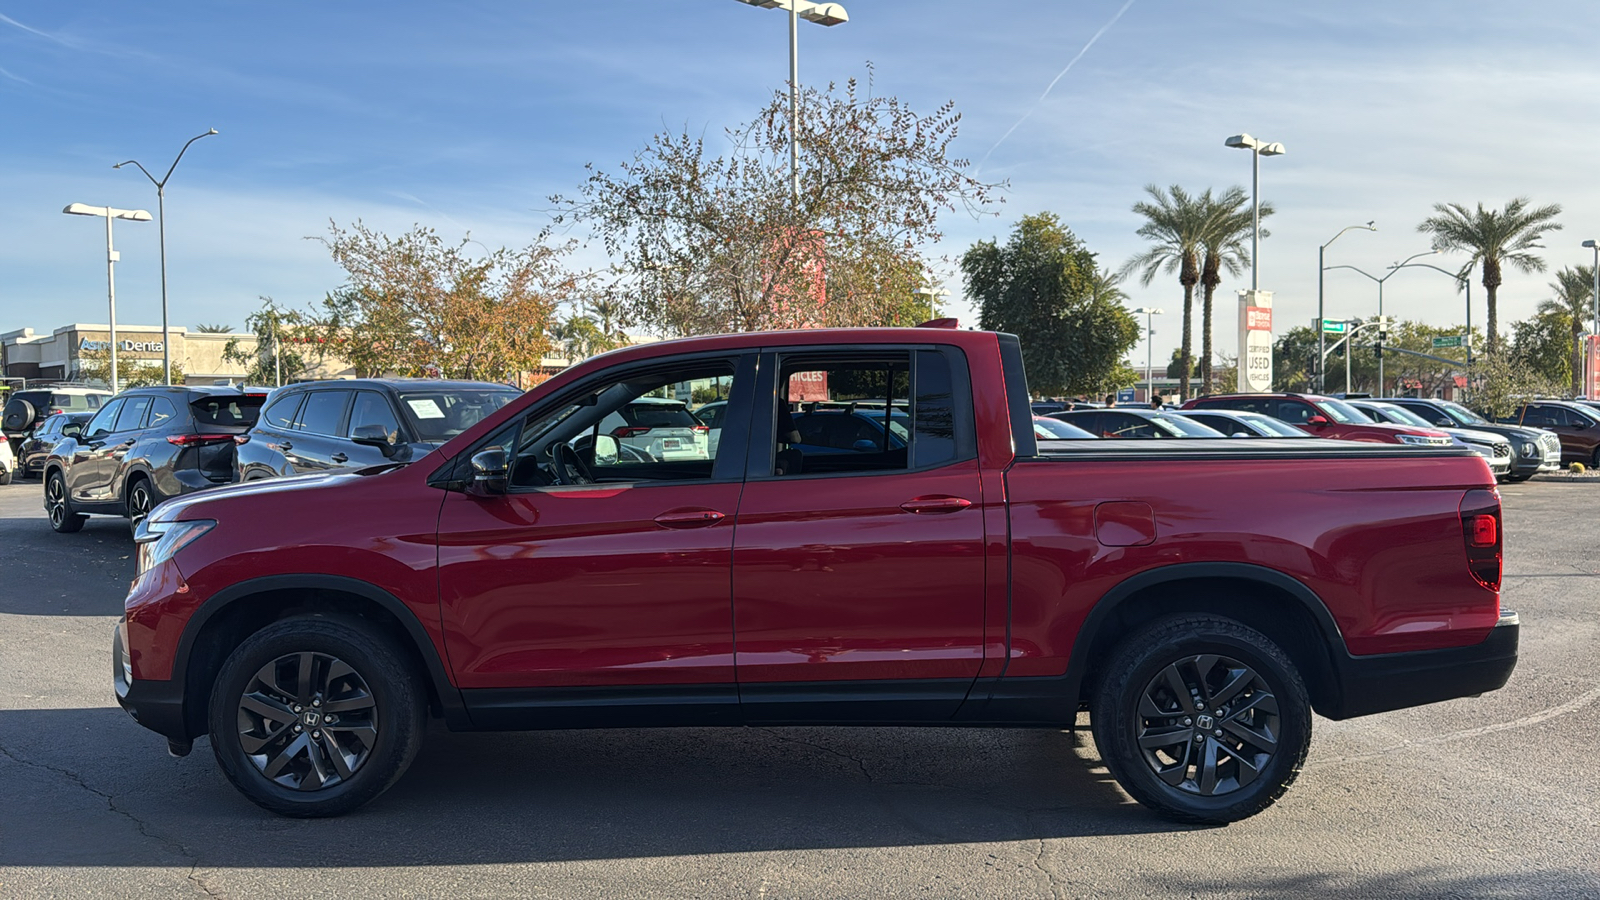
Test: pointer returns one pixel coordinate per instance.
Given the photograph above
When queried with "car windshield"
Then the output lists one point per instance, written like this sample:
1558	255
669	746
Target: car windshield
1402	415
1343	413
1462	414
1182	426
1048	429
1272	426
440	414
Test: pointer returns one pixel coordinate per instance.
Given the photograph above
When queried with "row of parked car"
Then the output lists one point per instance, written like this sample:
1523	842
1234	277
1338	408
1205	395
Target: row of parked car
1539	436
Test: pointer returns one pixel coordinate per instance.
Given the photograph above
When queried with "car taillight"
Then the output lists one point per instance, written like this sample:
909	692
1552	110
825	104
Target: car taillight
627	431
189	440
702	428
57	412
1481	533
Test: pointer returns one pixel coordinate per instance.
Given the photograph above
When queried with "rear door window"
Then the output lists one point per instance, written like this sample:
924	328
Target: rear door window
131	418
280	412
161	412
323	412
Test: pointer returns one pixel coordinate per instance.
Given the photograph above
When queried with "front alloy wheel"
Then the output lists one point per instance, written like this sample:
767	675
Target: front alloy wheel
58	506
315	715
307	721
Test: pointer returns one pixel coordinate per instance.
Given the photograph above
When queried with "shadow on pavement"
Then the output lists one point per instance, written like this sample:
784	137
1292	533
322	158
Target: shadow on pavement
49	574
564	795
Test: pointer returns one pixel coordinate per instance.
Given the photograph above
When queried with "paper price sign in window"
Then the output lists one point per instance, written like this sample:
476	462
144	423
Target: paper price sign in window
425	408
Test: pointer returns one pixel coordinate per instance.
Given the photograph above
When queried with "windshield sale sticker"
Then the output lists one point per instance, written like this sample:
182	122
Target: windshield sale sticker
425	408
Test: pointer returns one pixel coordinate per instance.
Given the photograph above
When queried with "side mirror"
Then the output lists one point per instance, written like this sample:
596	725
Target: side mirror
71	430
374	436
1317	421
605	450
865	446
1243	434
489	472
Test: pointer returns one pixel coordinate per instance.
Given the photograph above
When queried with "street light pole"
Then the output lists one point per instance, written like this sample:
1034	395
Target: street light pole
161	213
1322	339
1594	312
1462	279
109	213
1257	150
1392	269
822	14
1149	348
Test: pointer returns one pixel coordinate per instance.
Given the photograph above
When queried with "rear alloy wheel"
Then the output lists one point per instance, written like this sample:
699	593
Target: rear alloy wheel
1202	719
59	506
315	716
140	502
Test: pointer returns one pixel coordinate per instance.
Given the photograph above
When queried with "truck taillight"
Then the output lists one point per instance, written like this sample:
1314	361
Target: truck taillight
1481	533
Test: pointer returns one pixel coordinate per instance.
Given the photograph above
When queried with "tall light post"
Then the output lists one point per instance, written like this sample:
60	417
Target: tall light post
161	211
931	297
1464	280
1594	313
108	213
822	14
1322	368
1392	270
1149	348
1257	150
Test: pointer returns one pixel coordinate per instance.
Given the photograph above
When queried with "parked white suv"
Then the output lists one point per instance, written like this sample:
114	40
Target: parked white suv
664	429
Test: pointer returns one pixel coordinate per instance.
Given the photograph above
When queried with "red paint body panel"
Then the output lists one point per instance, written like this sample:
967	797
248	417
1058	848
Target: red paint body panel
833	580
572	586
1385	556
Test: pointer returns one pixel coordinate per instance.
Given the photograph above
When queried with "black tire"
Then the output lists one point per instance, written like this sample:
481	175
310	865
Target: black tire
1265	714
141	499
17	415
1514	478
353	760
5	477
58	505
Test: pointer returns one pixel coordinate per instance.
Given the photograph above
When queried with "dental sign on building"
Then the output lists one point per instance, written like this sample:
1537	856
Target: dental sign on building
122	346
1255	342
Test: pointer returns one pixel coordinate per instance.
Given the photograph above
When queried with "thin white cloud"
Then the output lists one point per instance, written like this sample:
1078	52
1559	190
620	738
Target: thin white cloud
34	31
1103	29
14	77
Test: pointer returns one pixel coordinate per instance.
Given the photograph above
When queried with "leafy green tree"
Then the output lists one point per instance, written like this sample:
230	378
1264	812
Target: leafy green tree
1044	286
1543	345
1175	224
1500	382
1496	238
1175	367
711	243
1294	356
1572	300
1225	243
414	303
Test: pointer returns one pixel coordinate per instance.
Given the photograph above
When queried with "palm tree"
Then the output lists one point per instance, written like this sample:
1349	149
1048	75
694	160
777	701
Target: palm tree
1496	238
1573	294
1175	223
1224	243
214	329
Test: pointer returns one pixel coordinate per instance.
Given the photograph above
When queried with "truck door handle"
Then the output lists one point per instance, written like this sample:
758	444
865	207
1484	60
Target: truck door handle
927	505
285	445
339	458
689	518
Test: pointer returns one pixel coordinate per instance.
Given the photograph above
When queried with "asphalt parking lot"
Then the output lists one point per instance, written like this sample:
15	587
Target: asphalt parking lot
1486	797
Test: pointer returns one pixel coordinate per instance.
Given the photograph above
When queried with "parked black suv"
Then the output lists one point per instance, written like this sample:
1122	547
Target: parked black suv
143	446
1533	450
325	425
36	447
26	409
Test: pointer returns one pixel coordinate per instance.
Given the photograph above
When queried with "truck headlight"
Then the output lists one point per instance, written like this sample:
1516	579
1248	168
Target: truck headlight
1530	450
160	541
1416	439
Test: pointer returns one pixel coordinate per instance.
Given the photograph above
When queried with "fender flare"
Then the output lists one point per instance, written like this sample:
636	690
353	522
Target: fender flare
449	695
1332	640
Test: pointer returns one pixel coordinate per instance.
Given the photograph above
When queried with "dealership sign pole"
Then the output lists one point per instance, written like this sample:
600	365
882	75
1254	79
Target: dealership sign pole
1255	342
108	213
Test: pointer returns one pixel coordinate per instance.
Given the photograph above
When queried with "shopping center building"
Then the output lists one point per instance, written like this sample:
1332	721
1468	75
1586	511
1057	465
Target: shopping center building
59	355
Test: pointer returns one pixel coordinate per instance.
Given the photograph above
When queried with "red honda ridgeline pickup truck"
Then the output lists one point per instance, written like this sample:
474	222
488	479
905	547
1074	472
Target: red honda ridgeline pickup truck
870	535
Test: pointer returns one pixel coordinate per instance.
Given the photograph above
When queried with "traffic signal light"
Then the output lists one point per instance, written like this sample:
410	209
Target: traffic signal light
1377	348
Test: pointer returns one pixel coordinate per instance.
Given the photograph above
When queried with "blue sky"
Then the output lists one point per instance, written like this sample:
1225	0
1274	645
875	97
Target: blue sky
466	116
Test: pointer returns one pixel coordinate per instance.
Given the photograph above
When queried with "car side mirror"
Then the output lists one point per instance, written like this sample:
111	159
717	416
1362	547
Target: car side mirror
374	436
1318	421
605	450
864	446
1244	434
71	430
489	472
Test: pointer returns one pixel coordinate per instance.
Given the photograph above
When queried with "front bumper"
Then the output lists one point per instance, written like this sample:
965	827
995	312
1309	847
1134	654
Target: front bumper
157	705
1374	684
